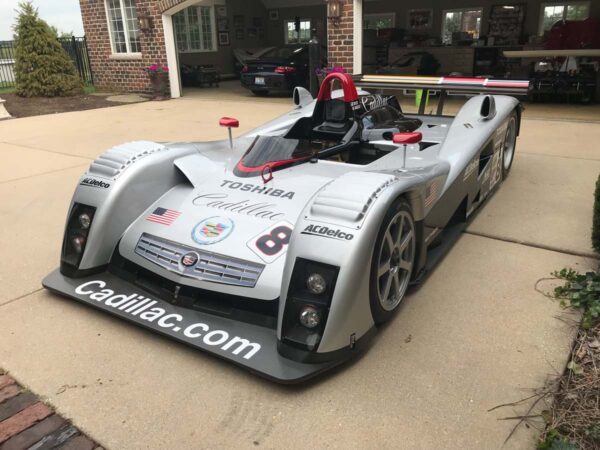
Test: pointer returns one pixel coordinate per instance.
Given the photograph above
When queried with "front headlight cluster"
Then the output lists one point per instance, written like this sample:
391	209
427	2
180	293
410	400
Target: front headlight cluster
76	234
308	301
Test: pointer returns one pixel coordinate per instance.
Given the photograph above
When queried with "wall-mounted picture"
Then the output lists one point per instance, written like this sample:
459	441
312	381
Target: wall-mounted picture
223	39
223	24
221	10
251	33
274	14
420	19
238	21
239	34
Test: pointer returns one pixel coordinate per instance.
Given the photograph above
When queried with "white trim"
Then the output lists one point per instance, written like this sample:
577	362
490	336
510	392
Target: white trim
129	53
564	4
125	56
172	58
358	37
171	48
213	25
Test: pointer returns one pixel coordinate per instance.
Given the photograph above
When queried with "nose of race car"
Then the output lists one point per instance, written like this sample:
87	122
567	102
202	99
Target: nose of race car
228	235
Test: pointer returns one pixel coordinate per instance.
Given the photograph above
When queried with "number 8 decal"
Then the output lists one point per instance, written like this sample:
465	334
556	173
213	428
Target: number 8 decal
272	242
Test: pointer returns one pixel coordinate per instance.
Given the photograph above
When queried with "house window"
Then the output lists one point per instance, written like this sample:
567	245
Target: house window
195	29
294	37
554	12
466	20
123	26
377	21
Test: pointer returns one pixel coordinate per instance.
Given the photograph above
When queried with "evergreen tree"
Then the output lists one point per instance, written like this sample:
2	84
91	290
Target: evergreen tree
42	67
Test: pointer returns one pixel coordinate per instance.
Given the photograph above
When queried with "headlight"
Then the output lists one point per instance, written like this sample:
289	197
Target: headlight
78	244
85	221
76	236
307	303
316	283
310	316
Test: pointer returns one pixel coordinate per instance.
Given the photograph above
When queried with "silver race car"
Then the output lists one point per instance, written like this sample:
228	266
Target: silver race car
284	249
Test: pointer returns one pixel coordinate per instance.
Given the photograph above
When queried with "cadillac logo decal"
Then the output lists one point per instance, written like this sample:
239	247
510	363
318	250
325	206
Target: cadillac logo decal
189	259
212	230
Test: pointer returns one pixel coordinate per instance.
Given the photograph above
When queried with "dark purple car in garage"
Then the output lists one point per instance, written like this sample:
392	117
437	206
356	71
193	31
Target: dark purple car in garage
278	71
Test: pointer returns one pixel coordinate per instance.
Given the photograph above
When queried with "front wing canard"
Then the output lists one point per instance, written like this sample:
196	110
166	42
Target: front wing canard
251	346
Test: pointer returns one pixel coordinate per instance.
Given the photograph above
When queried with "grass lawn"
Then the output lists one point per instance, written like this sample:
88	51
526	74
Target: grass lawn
7	90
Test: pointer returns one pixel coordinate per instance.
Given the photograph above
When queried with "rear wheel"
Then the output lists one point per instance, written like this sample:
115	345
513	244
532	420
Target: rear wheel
393	261
260	93
510	143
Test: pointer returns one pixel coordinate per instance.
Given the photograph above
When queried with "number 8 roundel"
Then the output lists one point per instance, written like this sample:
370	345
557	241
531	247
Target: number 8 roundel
273	242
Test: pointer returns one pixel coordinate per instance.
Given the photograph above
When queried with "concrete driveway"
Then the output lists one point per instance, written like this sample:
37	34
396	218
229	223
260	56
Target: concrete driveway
475	335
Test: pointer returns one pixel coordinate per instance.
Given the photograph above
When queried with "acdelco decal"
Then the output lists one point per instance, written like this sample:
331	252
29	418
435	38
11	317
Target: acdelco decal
318	230
92	182
143	307
257	189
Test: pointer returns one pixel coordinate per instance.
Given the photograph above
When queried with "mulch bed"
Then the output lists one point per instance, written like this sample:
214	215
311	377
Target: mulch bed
36	106
27	422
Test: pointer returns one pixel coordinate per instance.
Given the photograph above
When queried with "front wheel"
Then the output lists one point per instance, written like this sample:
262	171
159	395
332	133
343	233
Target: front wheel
392	262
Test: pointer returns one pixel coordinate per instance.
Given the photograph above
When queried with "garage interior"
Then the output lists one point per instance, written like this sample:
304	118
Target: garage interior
213	38
554	44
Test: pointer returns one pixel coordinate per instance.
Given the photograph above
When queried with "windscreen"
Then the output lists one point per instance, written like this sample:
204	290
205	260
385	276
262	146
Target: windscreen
270	149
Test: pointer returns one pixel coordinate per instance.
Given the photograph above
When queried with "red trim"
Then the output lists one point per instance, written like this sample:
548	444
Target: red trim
408	138
229	122
272	165
350	94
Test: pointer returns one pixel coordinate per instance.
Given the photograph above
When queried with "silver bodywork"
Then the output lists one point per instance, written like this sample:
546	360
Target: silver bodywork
341	205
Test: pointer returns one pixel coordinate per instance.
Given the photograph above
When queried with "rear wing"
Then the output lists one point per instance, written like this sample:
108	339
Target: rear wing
444	85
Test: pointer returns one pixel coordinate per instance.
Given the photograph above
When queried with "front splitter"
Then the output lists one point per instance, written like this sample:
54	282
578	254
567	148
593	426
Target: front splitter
250	346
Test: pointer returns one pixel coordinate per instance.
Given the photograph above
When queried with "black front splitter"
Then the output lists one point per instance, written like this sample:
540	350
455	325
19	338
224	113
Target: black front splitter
250	346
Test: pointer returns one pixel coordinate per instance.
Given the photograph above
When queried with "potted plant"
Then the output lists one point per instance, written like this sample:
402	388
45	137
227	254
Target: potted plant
159	77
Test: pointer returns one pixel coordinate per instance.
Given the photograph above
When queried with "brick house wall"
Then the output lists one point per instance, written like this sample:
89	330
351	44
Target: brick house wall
122	73
340	38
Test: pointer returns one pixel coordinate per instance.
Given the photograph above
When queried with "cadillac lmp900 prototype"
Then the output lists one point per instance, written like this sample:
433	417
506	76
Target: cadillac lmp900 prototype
283	250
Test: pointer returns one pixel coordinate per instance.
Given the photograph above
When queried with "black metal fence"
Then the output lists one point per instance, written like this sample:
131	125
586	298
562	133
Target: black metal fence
76	47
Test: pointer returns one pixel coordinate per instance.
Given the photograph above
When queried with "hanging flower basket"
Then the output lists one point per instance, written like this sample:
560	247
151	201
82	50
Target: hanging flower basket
159	78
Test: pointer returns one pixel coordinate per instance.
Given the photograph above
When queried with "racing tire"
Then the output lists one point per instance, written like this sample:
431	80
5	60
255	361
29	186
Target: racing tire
510	145
392	262
261	93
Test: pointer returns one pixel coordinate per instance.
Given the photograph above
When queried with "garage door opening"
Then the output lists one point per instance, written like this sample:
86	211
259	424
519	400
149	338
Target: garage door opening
210	43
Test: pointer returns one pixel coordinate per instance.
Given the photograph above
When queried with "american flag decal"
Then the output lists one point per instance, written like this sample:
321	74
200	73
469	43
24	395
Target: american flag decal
163	216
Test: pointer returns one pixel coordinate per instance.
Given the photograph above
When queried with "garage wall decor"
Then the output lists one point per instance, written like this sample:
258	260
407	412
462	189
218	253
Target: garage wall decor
420	19
224	39
506	23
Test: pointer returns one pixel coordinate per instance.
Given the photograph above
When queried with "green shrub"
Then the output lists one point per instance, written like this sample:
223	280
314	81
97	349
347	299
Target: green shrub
42	67
596	219
580	291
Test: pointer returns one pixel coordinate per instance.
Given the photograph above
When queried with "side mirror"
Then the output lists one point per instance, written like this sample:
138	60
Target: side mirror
407	138
488	108
230	123
302	97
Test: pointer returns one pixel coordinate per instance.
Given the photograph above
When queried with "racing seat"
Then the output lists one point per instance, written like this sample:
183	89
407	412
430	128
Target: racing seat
333	118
